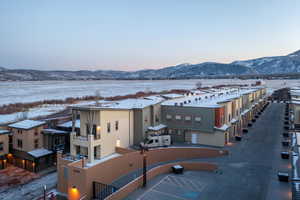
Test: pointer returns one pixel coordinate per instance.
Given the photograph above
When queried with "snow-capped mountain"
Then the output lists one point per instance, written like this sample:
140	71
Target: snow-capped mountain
274	65
266	65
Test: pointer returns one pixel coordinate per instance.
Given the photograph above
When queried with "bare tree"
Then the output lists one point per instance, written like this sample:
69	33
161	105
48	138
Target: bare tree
199	85
98	97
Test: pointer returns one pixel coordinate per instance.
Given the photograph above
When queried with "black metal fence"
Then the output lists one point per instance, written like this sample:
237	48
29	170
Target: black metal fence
101	191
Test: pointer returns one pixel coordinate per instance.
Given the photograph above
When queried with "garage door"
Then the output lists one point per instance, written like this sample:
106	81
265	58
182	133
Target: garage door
194	138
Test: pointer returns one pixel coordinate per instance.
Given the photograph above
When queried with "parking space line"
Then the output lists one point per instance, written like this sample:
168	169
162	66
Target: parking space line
168	194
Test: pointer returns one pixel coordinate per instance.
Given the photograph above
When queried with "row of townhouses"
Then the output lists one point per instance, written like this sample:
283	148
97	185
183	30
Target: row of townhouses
293	118
210	117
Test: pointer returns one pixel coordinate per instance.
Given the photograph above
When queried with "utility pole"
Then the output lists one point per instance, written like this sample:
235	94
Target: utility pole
144	148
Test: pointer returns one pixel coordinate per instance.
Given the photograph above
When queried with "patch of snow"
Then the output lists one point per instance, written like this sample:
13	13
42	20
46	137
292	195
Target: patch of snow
69	124
27	124
157	128
40	152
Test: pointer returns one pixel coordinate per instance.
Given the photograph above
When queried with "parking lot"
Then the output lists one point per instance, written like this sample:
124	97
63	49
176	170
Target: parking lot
249	172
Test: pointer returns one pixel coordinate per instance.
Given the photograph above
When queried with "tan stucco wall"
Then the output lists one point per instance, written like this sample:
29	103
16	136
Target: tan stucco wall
132	186
4	140
124	133
27	137
112	169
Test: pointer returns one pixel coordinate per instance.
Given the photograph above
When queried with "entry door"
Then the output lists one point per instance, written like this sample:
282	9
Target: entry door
194	138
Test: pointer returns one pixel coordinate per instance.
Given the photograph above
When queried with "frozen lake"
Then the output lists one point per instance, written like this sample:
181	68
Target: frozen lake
13	92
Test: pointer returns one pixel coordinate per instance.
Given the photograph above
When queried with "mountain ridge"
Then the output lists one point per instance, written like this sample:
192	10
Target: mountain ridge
261	66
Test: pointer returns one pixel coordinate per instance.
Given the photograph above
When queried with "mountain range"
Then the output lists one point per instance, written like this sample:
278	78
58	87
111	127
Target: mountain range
259	66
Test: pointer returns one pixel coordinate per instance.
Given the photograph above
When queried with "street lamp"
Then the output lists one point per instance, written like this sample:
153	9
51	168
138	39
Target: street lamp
45	188
144	148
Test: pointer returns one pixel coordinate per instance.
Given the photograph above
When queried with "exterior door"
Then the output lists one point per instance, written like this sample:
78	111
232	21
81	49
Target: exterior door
194	138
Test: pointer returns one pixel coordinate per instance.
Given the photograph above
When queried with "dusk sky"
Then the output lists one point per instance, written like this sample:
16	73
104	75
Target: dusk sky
131	35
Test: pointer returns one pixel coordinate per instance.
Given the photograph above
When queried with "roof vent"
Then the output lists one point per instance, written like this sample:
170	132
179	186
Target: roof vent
189	101
196	99
181	104
184	102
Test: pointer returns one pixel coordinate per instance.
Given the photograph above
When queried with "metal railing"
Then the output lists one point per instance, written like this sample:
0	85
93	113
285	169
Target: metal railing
101	190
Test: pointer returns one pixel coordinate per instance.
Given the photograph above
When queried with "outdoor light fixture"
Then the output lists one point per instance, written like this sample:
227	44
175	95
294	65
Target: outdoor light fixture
118	144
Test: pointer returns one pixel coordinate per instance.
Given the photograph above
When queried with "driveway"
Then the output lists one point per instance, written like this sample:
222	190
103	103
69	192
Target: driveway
248	173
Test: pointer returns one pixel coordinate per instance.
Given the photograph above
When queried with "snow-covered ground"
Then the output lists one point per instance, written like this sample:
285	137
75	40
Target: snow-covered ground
13	92
31	190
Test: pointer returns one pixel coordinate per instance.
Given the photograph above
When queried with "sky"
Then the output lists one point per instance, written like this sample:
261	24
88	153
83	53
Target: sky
142	34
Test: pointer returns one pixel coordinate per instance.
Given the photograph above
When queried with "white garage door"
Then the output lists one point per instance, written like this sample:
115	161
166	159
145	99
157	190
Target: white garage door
194	138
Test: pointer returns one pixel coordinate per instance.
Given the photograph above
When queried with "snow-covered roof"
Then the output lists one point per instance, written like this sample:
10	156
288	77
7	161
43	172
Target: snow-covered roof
68	124
155	98
209	100
125	104
233	120
3	131
245	111
53	131
27	124
40	152
222	128
156	128
172	96
295	102
103	159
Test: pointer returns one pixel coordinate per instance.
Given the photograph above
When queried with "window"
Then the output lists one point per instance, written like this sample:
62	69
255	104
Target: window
36	143
156	118
156	140
1	146
108	127
197	119
36	132
150	142
94	129
188	118
56	141
229	117
78	150
19	131
168	116
87	126
178	117
20	143
117	125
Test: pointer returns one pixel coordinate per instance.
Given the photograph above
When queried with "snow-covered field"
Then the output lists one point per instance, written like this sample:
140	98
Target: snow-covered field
14	92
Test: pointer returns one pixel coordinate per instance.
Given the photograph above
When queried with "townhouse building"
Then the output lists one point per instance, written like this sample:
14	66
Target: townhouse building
213	118
26	148
295	107
114	124
4	141
209	117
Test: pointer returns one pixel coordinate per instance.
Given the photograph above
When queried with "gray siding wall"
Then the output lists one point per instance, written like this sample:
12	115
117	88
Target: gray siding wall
138	127
207	118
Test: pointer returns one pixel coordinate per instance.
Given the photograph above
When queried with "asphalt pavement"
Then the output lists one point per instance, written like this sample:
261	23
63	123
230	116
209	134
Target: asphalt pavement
249	172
